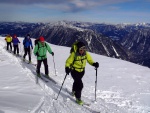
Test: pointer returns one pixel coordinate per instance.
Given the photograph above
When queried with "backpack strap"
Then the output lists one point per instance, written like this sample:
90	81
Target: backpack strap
39	48
75	59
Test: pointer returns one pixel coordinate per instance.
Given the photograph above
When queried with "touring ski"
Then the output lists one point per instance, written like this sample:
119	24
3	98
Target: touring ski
49	78
72	95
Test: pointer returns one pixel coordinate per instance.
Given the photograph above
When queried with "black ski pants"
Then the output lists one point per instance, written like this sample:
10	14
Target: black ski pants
16	48
77	84
27	51
45	66
9	44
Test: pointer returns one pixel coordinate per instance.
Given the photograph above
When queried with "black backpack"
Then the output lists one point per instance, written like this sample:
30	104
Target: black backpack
73	47
36	41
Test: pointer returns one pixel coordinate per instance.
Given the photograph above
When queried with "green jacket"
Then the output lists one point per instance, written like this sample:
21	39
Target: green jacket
78	62
41	51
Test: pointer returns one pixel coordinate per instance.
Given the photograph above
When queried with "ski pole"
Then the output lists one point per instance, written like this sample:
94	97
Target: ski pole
20	48
54	65
95	83
61	86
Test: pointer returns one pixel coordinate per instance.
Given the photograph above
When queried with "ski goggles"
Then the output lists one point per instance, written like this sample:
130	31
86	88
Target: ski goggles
82	48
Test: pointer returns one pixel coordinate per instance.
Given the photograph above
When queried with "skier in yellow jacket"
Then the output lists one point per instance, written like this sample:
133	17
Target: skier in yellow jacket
75	64
8	41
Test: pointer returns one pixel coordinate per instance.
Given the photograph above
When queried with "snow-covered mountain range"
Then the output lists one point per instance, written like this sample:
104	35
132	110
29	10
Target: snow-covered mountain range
125	41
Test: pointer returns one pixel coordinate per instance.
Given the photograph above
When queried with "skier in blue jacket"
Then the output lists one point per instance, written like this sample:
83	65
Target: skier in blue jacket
15	42
27	44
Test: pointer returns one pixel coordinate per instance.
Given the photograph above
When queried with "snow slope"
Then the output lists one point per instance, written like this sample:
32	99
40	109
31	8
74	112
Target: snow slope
122	87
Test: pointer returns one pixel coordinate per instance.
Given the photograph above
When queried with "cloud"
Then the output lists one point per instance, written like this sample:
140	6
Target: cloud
66	5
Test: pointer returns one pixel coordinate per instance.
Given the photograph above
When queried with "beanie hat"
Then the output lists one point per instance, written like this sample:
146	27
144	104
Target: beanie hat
42	39
80	44
28	34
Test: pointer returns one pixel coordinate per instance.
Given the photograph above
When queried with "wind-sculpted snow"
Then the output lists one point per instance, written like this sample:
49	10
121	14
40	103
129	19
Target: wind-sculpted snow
122	87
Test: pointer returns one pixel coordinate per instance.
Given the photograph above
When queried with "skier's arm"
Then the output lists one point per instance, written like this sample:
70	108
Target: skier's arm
49	48
70	59
18	40
89	59
24	42
31	43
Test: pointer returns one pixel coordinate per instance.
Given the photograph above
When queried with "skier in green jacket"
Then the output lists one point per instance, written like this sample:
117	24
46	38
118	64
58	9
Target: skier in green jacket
40	51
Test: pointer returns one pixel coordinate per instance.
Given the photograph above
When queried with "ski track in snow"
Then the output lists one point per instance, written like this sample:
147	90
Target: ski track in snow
47	104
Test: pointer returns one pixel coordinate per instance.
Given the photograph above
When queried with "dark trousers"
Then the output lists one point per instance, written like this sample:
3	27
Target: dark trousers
16	48
39	66
27	51
9	44
78	84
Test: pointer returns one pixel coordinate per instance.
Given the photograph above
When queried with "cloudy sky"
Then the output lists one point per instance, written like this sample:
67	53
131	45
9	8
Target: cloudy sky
108	11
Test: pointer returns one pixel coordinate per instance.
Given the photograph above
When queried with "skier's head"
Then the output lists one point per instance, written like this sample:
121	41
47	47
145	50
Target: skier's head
81	47
15	35
8	35
42	40
28	35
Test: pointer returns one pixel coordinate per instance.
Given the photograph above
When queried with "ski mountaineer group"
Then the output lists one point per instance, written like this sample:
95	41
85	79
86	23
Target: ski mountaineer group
15	42
75	63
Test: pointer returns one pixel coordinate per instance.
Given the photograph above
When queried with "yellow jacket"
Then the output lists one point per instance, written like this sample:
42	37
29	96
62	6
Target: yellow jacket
78	62
8	39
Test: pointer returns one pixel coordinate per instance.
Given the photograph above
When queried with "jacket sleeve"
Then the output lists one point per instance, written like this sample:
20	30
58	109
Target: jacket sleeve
18	40
70	60
49	48
35	49
89	58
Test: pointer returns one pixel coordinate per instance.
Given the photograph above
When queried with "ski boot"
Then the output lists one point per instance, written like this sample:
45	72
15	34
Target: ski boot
47	76
23	59
38	74
79	101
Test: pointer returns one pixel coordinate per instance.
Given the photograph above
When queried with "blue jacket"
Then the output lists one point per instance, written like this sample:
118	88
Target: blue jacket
27	42
15	41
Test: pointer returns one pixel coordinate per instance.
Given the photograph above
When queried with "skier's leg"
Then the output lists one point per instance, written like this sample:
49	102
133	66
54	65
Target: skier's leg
7	45
46	66
10	46
25	53
17	49
14	49
78	84
29	54
38	66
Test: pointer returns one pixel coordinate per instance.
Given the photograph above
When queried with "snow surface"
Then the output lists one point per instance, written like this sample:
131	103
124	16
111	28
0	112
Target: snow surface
122	87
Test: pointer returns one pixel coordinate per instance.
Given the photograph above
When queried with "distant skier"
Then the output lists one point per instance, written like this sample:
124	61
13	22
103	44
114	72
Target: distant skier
27	44
8	41
40	51
15	42
75	64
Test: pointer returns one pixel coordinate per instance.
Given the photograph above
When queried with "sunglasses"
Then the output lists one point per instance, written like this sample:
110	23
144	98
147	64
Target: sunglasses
82	48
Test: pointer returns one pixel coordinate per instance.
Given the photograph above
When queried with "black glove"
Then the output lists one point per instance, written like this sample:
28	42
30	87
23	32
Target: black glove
52	53
67	69
32	47
96	64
